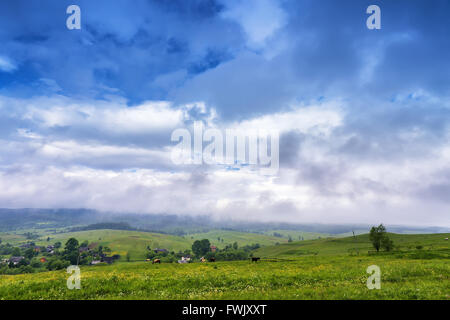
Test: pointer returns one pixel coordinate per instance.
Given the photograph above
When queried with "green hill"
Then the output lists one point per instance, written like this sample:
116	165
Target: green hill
136	242
229	237
360	243
122	242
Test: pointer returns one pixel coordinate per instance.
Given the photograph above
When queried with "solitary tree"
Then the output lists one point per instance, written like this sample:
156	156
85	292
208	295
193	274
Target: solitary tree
380	239
376	235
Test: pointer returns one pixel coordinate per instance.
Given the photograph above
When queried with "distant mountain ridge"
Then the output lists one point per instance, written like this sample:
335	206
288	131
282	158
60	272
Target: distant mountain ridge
12	219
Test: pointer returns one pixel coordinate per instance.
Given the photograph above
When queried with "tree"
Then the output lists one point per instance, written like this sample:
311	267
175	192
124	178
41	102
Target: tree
387	243
235	246
71	250
57	245
84	244
71	245
128	257
379	238
15	252
376	236
29	253
289	239
201	247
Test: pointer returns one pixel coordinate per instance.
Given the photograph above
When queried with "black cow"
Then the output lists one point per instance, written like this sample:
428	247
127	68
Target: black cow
212	259
255	259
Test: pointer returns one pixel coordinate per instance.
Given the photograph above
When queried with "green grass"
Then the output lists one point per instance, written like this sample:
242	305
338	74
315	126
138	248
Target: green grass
339	277
122	242
296	234
361	244
229	237
315	269
136	242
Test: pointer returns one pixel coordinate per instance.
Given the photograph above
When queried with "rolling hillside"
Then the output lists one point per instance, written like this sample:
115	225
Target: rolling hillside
136	242
361	243
242	238
310	277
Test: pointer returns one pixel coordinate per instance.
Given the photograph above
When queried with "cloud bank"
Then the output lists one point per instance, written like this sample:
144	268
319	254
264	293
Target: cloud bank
86	116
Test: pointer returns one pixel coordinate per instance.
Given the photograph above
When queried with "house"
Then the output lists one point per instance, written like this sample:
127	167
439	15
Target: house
161	250
95	262
213	248
43	260
16	260
84	249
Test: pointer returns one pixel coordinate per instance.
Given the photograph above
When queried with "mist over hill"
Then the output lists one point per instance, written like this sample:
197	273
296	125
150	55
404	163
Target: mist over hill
16	219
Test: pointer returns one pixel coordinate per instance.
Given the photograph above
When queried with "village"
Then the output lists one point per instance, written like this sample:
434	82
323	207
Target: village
29	257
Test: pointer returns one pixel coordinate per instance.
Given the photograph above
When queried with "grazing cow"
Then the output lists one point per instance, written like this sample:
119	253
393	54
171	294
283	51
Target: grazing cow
212	259
255	259
446	239
156	261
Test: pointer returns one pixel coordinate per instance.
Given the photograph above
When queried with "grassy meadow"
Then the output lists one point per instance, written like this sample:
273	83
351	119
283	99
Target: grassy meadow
356	245
135	243
313	277
333	268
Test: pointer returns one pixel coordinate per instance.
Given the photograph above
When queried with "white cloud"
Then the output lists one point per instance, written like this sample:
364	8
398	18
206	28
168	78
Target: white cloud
260	19
7	65
42	168
313	120
106	116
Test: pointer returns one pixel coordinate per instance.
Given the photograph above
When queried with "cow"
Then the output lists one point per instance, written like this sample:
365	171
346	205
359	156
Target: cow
255	259
212	259
156	261
446	239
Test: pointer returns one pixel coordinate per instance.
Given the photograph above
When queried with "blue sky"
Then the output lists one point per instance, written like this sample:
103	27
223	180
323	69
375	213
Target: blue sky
86	115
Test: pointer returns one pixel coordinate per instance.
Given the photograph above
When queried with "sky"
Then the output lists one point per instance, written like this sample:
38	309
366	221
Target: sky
86	116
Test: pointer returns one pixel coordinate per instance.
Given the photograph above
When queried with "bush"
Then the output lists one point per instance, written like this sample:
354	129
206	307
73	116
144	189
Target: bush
57	264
